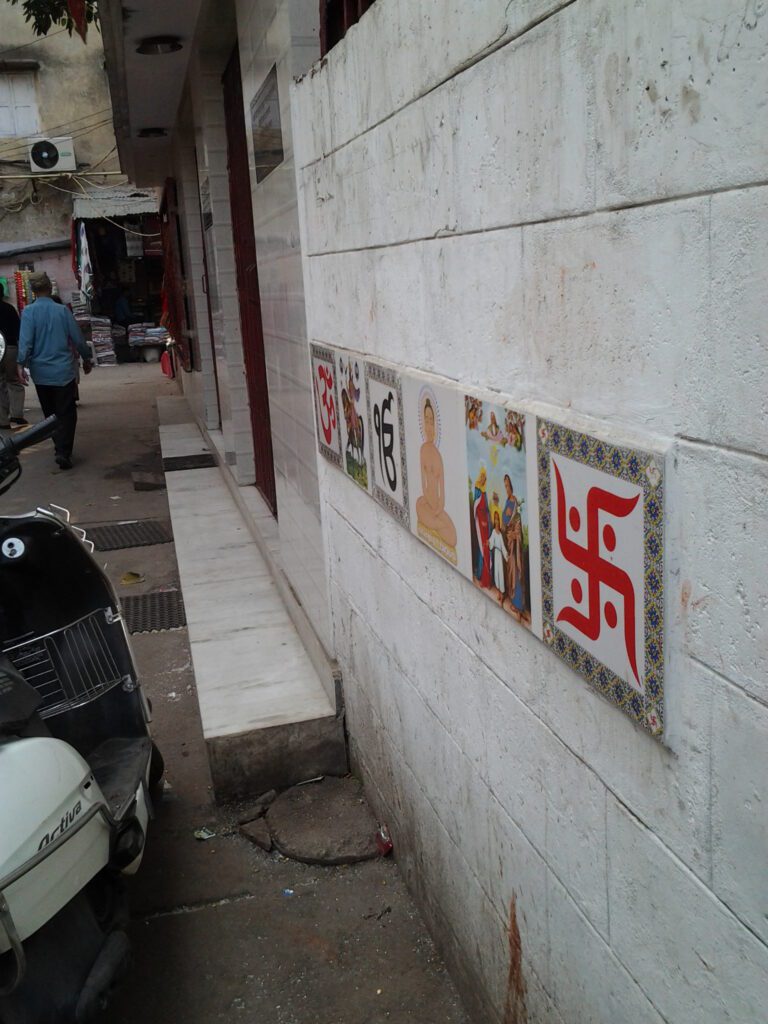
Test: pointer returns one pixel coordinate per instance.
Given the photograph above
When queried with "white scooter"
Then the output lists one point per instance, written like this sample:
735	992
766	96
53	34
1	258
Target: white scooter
76	764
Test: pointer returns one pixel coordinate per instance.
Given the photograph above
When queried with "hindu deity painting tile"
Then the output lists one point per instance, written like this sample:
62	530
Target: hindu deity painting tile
386	435
437	468
326	403
601	524
353	419
499	505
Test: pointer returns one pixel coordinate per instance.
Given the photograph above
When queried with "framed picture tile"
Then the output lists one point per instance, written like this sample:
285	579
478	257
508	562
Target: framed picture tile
353	418
387	441
437	468
602	549
326	403
499	503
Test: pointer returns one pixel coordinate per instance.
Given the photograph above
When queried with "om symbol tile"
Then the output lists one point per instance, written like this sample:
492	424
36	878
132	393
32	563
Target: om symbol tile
601	521
326	403
386	435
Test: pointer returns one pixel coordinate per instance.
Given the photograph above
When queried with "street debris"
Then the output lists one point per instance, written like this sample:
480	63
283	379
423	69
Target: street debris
204	834
288	892
384	841
258	808
306	782
128	579
258	833
383	913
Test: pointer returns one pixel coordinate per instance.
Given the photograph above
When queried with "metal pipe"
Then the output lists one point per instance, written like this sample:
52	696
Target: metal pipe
80	174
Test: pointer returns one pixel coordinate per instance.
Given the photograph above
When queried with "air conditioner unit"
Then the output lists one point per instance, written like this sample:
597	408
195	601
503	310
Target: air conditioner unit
52	156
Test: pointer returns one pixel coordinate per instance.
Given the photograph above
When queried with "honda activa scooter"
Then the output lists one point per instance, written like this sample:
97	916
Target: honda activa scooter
76	765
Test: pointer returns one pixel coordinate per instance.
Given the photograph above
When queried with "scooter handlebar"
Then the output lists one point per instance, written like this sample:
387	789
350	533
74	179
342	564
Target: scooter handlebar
39	432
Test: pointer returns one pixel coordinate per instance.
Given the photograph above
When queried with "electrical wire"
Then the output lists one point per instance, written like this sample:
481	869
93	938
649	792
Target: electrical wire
106	157
77	133
50	35
83	192
66	124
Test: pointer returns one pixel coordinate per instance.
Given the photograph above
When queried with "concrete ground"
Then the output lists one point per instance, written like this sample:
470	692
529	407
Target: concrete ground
223	931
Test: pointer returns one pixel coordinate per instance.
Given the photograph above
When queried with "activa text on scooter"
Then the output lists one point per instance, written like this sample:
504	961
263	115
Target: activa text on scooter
67	820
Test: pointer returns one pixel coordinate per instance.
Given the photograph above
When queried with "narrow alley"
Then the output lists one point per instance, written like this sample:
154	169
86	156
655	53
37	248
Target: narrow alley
221	929
430	381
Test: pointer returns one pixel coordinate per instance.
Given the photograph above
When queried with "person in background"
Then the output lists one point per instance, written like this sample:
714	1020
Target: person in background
44	349
11	391
75	354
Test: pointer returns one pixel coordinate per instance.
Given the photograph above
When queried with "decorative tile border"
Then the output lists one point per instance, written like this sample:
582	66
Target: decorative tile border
644	700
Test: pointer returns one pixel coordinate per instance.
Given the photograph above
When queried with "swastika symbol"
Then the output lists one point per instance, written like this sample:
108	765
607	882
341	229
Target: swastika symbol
598	569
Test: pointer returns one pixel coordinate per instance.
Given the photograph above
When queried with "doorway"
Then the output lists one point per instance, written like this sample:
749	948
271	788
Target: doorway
248	280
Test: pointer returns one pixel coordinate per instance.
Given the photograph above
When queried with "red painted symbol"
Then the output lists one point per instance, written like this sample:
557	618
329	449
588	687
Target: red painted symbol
597	568
326	404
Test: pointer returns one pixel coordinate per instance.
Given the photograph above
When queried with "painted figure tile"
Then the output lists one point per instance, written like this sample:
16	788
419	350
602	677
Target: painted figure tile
437	468
498	505
353	426
387	440
326	403
601	514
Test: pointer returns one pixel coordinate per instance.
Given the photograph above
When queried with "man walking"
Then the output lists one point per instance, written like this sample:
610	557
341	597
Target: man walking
11	391
44	348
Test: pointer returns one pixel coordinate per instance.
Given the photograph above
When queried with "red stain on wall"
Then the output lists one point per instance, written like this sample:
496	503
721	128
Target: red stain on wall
514	1010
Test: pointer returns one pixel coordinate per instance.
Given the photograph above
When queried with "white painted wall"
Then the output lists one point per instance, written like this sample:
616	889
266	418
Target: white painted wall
285	34
564	201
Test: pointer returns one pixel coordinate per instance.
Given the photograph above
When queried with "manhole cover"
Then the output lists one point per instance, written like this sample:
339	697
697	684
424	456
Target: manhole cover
154	612
142	532
201	461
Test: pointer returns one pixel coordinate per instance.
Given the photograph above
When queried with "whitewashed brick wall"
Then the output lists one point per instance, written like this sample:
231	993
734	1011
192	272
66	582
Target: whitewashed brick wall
564	201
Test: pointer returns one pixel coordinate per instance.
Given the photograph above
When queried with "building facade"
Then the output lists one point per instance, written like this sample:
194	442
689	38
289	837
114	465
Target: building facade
36	208
503	344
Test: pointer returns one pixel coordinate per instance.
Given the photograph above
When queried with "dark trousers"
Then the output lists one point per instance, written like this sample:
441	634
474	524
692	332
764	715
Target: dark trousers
59	400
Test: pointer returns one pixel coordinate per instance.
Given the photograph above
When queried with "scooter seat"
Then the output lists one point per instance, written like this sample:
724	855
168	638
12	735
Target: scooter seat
120	766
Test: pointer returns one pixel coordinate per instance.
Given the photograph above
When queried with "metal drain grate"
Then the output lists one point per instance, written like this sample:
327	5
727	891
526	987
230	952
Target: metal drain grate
201	461
142	532
154	612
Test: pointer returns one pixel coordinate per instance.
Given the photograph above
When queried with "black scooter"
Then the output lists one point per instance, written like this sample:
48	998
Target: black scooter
77	763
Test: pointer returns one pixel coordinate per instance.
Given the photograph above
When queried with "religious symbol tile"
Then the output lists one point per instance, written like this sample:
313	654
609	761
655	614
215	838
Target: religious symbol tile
353	421
326	403
437	468
386	435
601	524
498	505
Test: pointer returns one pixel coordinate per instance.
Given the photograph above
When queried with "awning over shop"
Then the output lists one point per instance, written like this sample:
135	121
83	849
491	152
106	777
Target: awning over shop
116	201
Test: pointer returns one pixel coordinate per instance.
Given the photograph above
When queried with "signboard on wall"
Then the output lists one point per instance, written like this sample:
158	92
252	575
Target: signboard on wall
266	129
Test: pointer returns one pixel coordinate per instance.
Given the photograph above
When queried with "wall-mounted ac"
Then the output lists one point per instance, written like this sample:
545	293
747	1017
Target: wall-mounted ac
52	156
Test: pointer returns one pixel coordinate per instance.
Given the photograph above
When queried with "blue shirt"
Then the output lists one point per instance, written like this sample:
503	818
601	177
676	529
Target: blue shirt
47	329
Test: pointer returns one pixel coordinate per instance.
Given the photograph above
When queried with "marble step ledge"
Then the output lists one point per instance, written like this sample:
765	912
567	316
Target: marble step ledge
267	719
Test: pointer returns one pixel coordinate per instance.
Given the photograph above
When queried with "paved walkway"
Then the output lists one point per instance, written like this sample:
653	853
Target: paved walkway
217	937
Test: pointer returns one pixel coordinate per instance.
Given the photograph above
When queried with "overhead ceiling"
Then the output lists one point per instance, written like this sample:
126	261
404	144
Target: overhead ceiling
146	90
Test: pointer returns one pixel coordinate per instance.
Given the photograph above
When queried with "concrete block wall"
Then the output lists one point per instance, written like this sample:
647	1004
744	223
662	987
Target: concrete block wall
285	35
564	202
